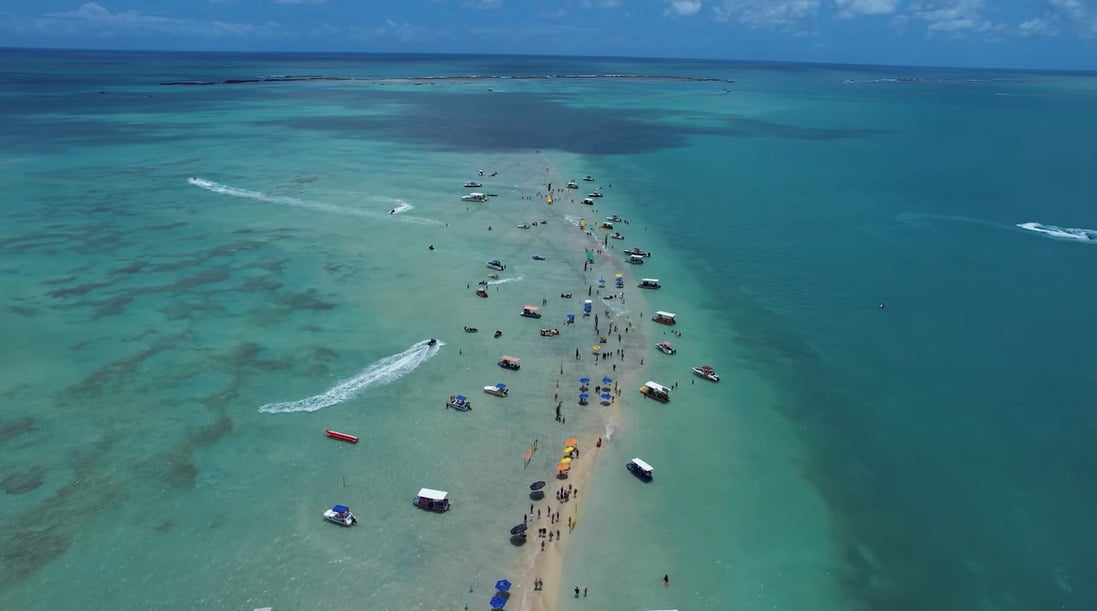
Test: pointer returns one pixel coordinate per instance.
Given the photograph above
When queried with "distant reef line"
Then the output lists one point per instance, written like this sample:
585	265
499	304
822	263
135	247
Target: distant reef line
434	79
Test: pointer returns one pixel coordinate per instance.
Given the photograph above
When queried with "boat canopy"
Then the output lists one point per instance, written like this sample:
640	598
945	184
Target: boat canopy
461	398
662	314
502	386
643	465
657	387
340	508
531	308
509	358
649	280
434	495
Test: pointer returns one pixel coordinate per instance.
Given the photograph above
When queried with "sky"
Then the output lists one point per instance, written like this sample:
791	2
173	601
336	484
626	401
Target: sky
1039	34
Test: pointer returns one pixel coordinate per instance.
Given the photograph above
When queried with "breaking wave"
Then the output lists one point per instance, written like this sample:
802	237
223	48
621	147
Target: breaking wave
1062	233
286	200
379	373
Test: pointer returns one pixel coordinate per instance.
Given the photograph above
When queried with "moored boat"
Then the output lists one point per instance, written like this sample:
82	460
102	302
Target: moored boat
594	194
640	469
475	197
496	264
434	500
473	185
531	311
459	403
613	218
649	283
499	390
549	332
510	362
617	235
637	252
588	201
707	372
482	292
341	436
665	318
341	515
588	178
666	348
653	390
572	184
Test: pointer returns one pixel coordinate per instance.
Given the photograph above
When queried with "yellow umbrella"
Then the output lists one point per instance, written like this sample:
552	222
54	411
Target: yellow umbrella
569	449
618	275
565	460
596	347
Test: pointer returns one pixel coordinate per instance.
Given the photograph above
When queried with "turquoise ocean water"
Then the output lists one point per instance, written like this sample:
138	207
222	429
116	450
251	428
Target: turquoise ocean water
177	257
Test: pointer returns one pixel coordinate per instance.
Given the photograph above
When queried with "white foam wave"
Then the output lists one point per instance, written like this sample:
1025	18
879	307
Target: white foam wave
506	280
285	200
1062	233
383	371
610	428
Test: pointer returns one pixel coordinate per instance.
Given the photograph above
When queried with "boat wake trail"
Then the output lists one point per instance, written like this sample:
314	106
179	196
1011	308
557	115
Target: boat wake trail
396	210
379	373
1062	233
506	280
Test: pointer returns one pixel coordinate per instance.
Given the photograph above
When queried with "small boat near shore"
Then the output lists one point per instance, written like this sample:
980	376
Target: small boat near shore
482	292
665	318
538	258
572	184
341	436
531	311
587	201
666	348
640	469
475	197
636	252
510	362
613	218
594	194
649	283
588	178
473	185
707	372
496	264
550	332
341	515
617	235
654	390
499	390
459	403
434	500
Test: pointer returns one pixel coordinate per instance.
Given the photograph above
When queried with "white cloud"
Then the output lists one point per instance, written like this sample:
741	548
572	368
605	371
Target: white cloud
853	8
1036	27
483	4
300	1
684	8
93	18
768	13
600	3
957	18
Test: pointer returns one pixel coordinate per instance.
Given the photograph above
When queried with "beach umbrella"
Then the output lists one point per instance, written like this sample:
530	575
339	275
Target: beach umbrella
571	316
519	530
602	282
569	449
502	585
584	381
583	396
565	460
497	602
618	275
537	485
605	396
571	442
562	467
607	380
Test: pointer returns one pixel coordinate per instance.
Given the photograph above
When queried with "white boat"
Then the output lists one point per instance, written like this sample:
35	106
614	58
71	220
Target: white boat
617	235
707	372
496	264
434	500
665	318
666	348
640	468
614	219
588	178
522	225
499	390
475	197
635	259
473	185
459	403
572	184
649	283
588	201
594	194
341	515
653	390
637	252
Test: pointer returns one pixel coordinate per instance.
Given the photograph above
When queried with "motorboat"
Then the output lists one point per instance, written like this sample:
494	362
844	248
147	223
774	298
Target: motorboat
499	390
491	276
482	292
471	329
637	252
617	235
572	184
538	258
594	194
666	348
635	259
341	515
613	218
341	436
653	390
665	318
550	332
640	469
498	334
649	283
473	185
432	342
434	500
459	403
496	264
588	201
588	178
523	225
605	225
509	362
531	311
475	197
707	372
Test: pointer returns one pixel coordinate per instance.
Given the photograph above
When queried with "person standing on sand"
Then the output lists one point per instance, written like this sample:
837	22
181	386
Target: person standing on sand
666	580
576	591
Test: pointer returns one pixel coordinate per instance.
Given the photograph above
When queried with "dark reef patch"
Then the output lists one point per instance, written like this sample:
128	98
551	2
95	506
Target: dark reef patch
23	481
15	428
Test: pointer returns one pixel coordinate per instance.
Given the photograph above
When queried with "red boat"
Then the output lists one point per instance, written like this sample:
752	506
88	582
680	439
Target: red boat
341	436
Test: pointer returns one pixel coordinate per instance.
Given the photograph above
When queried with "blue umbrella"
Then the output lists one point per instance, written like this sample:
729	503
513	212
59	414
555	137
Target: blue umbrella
497	602
584	381
584	396
571	316
502	585
606	396
607	380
